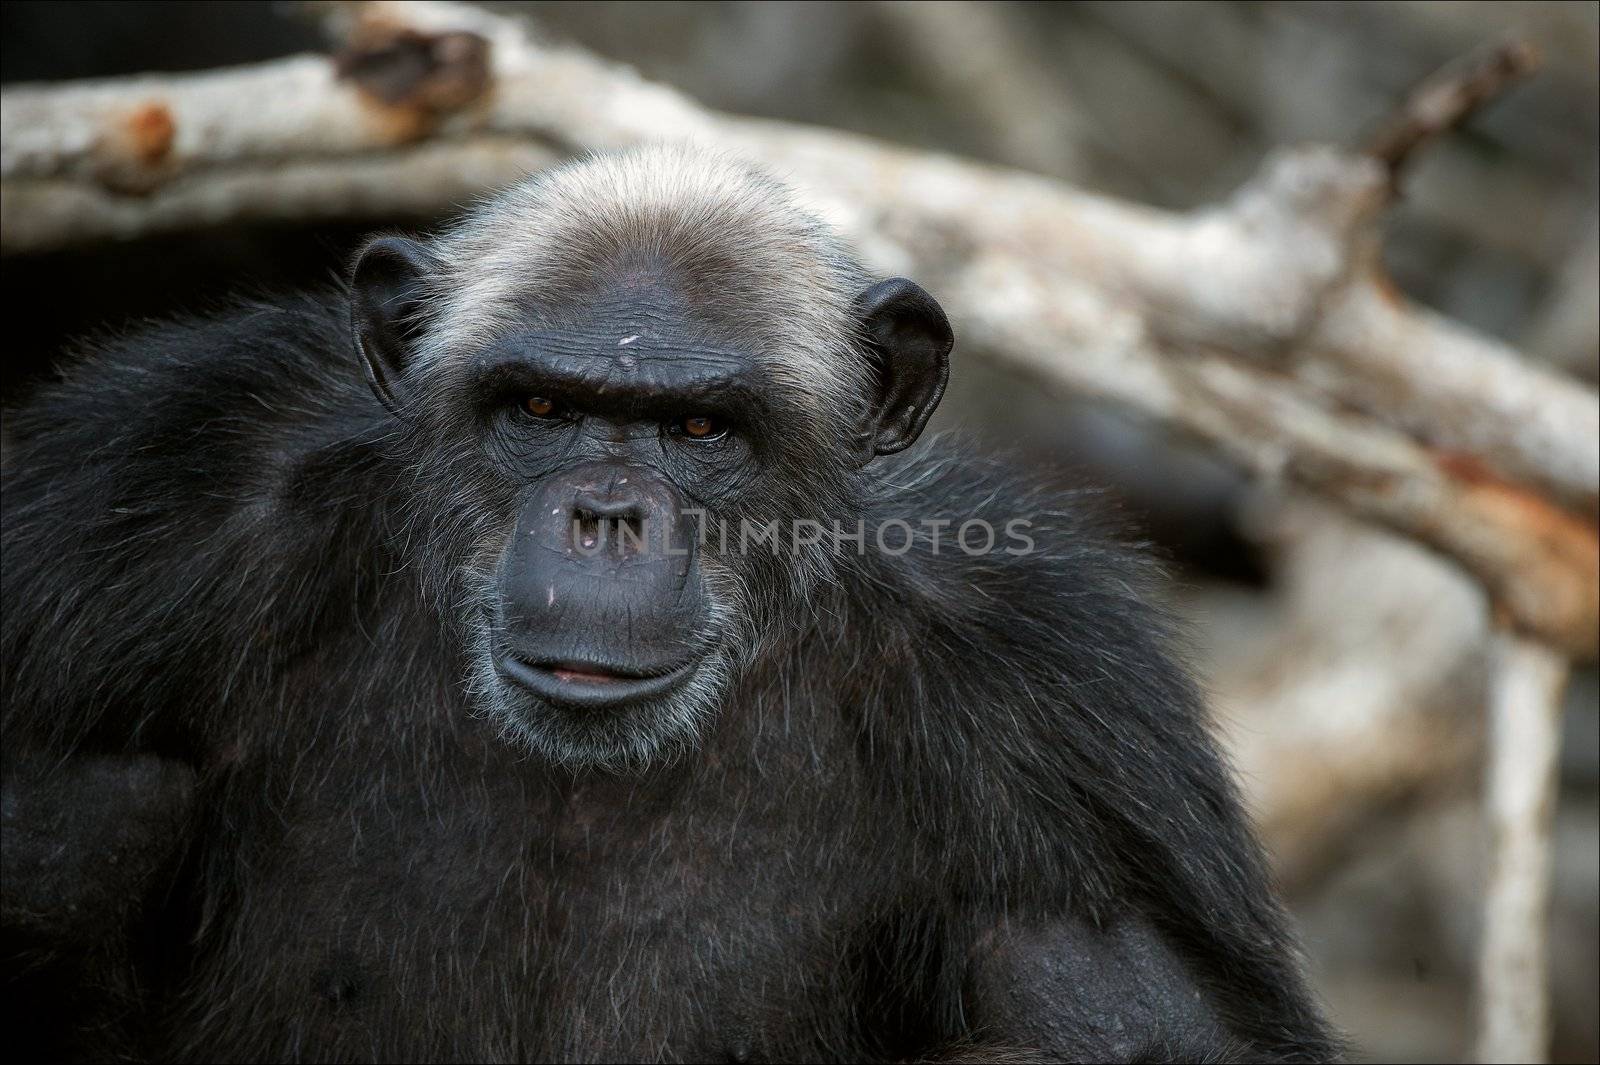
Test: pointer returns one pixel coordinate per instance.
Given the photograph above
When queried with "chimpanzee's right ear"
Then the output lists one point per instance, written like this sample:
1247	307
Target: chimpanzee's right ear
386	294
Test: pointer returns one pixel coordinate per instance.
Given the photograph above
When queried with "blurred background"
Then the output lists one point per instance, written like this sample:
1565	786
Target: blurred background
1345	664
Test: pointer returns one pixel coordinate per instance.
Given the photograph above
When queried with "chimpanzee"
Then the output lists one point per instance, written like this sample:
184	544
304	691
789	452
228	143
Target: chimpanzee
527	653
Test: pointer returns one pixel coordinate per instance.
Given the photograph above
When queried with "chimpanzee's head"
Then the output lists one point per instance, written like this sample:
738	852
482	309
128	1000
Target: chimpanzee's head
630	384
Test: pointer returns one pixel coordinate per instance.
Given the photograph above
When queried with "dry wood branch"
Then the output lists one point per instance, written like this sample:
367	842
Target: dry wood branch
1525	724
1257	324
1445	100
1532	557
416	181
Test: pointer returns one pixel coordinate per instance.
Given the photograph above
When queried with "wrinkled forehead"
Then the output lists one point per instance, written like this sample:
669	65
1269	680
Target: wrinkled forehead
635	322
632	337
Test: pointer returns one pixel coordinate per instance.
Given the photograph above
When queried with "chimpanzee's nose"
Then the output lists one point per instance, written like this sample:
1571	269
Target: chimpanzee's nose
609	504
603	570
612	521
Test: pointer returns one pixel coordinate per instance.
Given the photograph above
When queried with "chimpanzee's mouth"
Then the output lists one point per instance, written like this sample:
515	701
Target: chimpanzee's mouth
589	685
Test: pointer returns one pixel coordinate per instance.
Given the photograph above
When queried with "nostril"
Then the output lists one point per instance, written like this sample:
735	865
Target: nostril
586	528
620	530
627	532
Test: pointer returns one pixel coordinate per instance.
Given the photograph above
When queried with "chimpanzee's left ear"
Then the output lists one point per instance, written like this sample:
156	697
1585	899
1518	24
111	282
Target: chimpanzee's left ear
909	339
386	294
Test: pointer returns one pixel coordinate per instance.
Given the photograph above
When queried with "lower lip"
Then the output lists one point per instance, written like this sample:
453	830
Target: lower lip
573	675
589	691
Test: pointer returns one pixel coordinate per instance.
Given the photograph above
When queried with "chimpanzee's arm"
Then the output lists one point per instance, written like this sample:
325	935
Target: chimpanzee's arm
1068	991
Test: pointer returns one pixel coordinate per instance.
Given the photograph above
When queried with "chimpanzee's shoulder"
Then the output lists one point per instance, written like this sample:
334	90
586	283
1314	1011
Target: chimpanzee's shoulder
190	368
1049	720
981	537
173	408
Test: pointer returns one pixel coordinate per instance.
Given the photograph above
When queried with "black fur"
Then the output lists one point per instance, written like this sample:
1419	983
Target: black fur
960	806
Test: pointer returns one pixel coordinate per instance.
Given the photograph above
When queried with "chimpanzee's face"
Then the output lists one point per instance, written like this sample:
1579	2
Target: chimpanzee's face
629	438
641	479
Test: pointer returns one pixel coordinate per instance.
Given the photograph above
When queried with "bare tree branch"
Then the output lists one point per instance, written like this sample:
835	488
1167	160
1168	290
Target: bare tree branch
415	181
1525	727
1445	100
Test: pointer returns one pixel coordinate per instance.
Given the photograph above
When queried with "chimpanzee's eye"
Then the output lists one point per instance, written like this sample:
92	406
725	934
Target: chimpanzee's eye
702	427
539	407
